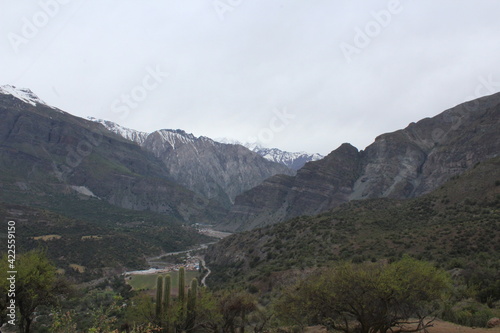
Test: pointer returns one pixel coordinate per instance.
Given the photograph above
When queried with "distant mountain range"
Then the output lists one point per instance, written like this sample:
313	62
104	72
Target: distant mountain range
140	188
294	160
215	170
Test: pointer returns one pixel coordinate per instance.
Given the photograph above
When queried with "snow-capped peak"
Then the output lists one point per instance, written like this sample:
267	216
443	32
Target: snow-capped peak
252	146
24	94
294	160
174	137
127	133
171	137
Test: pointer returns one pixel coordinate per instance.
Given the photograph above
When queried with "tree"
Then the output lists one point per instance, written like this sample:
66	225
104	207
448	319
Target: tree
36	284
367	297
234	308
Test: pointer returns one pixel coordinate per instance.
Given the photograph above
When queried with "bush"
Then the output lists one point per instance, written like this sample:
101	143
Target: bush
375	297
469	313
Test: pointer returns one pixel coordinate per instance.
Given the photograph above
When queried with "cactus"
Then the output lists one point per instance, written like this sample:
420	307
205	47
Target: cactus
191	304
159	297
182	285
166	294
167	285
182	296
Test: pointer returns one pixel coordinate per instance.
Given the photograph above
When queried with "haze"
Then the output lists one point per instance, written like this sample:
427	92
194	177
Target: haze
298	75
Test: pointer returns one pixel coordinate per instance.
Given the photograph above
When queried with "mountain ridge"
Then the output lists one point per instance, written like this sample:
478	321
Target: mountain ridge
402	164
44	151
216	170
293	160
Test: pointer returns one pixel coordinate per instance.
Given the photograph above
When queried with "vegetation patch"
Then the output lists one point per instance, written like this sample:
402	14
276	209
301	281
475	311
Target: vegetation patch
78	268
91	238
46	238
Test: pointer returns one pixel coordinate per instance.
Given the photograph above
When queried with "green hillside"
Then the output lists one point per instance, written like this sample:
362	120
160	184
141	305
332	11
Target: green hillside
456	226
96	236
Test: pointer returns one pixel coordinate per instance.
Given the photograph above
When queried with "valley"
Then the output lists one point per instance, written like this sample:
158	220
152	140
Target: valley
246	226
192	260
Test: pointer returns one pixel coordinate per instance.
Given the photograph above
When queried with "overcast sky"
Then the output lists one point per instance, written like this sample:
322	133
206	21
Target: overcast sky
298	75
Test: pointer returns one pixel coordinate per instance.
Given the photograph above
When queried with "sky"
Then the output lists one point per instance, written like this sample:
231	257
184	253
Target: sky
296	75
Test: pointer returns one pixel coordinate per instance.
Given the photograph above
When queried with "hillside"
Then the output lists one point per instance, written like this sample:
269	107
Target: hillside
457	226
45	152
404	164
99	239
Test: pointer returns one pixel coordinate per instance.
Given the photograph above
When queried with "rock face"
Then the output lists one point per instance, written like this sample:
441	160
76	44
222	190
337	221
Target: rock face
45	151
214	170
402	164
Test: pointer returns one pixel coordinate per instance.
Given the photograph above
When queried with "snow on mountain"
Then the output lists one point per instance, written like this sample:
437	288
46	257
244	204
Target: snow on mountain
127	133
169	137
295	160
174	138
24	94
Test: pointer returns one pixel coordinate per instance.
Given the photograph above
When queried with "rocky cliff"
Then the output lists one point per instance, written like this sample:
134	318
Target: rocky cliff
402	164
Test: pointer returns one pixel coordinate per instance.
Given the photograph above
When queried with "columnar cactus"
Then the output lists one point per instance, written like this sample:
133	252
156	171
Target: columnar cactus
191	304
182	285
159	297
166	294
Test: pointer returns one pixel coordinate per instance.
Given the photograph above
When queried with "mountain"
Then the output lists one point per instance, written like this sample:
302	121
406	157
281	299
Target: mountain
212	169
45	153
23	94
294	161
127	133
403	164
456	226
90	197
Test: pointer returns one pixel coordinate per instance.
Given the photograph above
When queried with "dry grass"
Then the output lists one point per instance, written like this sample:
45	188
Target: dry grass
78	268
447	327
47	237
91	237
439	327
